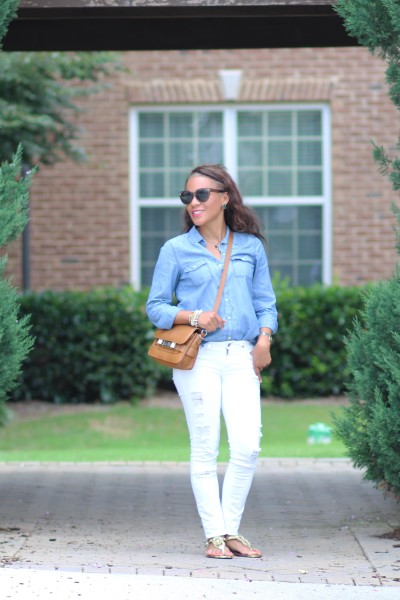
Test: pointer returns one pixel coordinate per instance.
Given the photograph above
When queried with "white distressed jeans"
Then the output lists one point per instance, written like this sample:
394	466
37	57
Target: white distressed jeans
222	380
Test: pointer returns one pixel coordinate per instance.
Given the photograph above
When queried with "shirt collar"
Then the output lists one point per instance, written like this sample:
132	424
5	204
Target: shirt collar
196	238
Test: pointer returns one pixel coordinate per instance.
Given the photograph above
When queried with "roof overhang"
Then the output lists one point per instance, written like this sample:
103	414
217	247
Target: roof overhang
174	25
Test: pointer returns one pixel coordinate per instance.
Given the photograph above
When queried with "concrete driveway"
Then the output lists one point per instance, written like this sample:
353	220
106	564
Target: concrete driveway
132	529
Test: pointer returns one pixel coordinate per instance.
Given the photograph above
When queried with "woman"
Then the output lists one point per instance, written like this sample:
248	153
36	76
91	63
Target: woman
227	373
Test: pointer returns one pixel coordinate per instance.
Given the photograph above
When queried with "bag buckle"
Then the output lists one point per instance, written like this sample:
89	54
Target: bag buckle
166	343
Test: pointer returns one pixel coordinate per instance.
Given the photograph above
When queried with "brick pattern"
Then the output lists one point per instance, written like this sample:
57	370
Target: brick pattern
316	520
80	213
163	91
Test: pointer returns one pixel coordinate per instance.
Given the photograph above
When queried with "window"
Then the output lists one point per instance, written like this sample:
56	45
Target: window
279	156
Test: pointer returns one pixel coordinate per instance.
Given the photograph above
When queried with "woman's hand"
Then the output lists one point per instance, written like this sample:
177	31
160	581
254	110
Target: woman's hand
210	321
261	355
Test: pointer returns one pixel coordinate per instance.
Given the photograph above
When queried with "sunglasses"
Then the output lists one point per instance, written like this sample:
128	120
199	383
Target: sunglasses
202	195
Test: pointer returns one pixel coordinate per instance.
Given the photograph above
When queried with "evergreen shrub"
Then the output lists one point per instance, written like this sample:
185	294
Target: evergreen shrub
15	340
370	425
90	347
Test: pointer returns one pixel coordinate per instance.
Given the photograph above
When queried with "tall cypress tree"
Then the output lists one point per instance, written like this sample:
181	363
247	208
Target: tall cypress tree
15	341
8	10
376	25
370	426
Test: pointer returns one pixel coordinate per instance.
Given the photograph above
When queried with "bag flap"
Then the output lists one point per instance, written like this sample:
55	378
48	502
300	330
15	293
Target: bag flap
178	334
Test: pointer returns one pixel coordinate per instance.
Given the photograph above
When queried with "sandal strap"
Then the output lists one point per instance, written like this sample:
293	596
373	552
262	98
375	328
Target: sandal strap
218	541
239	538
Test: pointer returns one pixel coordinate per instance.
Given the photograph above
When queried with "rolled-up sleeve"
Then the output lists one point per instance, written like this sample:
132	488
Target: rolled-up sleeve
159	307
264	300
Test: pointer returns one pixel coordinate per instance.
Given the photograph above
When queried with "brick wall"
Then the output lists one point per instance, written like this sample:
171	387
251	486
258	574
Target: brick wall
80	213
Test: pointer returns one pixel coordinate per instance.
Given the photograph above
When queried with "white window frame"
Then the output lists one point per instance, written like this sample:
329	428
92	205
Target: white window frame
230	152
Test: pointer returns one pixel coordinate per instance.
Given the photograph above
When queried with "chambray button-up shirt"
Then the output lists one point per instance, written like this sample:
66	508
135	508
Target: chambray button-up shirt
188	272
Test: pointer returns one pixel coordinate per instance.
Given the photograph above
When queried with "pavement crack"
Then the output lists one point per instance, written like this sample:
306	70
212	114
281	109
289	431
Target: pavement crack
16	540
374	569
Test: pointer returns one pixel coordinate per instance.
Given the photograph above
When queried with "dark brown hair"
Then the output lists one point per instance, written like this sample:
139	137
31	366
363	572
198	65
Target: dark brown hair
237	216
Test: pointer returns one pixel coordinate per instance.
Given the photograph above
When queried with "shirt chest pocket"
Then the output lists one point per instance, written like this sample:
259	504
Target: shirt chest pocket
197	272
243	266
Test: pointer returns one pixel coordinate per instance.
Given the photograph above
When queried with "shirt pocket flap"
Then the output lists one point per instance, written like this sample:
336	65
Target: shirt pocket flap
194	266
243	266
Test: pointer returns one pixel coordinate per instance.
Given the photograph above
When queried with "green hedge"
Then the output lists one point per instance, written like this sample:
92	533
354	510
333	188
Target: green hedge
92	346
308	353
89	347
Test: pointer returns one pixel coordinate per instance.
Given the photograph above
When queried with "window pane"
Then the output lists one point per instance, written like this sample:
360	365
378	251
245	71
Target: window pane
210	125
250	154
158	225
210	152
151	247
180	154
309	246
280	183
152	185
309	154
309	183
181	125
280	154
176	182
151	125
310	217
250	124
152	219
250	183
309	274
309	122
285	271
280	123
281	217
294	250
280	247
151	154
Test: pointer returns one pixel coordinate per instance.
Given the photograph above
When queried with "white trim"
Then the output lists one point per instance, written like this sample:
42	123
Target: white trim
134	209
327	224
236	107
283	201
230	140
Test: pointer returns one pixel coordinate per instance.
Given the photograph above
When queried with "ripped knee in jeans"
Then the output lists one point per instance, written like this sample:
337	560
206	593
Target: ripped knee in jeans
201	428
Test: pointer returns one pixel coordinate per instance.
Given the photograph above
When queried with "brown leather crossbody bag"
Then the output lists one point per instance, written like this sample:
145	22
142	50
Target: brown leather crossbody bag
178	347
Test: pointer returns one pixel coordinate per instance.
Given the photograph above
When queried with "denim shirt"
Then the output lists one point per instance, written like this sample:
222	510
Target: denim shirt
187	270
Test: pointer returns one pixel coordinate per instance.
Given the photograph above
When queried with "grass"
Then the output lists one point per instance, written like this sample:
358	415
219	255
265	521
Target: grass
136	433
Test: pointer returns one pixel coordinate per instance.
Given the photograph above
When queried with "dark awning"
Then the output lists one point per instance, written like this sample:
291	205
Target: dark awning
174	25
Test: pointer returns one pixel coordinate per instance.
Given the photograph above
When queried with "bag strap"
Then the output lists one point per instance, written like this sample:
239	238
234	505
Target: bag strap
224	272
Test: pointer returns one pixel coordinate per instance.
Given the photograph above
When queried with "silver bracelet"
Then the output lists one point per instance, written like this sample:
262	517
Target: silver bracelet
266	334
194	318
